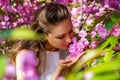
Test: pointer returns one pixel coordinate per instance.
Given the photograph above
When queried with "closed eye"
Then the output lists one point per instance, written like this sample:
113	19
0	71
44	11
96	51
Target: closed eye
60	37
63	35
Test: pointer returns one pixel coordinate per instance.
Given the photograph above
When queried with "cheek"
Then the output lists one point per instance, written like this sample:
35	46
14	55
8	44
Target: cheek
72	35
59	44
56	42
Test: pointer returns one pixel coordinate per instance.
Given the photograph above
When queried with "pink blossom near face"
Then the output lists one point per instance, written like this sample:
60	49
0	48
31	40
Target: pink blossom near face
82	33
93	34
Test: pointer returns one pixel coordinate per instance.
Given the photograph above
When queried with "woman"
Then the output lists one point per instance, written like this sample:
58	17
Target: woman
53	20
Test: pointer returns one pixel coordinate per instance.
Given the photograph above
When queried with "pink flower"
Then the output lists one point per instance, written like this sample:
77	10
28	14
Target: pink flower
6	18
101	30
31	74
82	34
76	22
78	47
94	44
115	30
93	34
84	41
10	70
73	47
29	64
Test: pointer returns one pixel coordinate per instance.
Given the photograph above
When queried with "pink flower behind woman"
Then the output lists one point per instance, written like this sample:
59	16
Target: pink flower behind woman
29	65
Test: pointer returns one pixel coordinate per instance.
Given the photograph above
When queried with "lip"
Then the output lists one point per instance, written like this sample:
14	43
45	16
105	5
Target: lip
67	45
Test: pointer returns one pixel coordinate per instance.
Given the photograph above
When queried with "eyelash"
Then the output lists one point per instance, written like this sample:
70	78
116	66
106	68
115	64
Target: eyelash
63	36
60	37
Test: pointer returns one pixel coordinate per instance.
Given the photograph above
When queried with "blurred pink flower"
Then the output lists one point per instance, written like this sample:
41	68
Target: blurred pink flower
115	31
78	46
10	70
82	33
93	34
101	30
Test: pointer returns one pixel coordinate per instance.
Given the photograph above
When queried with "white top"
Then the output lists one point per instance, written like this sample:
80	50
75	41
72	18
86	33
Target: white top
52	59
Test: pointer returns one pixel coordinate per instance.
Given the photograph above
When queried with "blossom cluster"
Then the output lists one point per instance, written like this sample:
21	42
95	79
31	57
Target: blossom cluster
79	45
10	72
14	13
29	66
94	21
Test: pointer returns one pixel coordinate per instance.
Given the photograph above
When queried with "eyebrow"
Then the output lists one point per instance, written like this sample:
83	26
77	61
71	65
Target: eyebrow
64	33
59	35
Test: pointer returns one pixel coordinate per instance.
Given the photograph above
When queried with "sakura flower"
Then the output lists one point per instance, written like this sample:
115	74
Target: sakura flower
28	63
73	47
76	23
115	30
101	30
10	70
84	41
31	74
93	34
82	33
6	18
78	47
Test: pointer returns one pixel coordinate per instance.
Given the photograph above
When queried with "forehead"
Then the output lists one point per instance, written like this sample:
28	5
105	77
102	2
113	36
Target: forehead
62	28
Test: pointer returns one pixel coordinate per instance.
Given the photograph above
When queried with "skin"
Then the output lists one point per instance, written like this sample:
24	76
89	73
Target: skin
69	61
61	35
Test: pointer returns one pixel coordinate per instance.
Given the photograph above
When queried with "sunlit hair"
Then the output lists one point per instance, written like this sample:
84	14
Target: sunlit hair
49	14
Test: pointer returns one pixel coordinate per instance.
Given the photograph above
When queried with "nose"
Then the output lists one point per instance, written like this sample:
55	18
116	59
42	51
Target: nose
68	39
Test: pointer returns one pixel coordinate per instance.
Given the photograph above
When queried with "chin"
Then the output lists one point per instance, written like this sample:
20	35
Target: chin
64	48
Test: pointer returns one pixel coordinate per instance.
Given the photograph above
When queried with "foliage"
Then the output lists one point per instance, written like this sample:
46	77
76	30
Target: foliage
3	64
98	36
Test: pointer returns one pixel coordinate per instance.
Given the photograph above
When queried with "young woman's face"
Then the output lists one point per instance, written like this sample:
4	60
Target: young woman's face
61	35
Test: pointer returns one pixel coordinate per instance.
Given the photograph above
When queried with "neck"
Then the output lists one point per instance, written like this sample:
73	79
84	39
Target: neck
50	47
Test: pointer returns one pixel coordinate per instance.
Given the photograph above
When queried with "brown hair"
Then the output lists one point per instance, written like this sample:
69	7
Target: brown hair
49	14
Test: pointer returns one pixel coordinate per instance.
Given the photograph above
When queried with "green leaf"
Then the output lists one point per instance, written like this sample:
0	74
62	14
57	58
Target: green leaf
113	41
105	67
108	56
115	17
2	65
71	76
21	33
99	60
107	76
109	24
88	56
104	44
12	3
118	55
5	34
